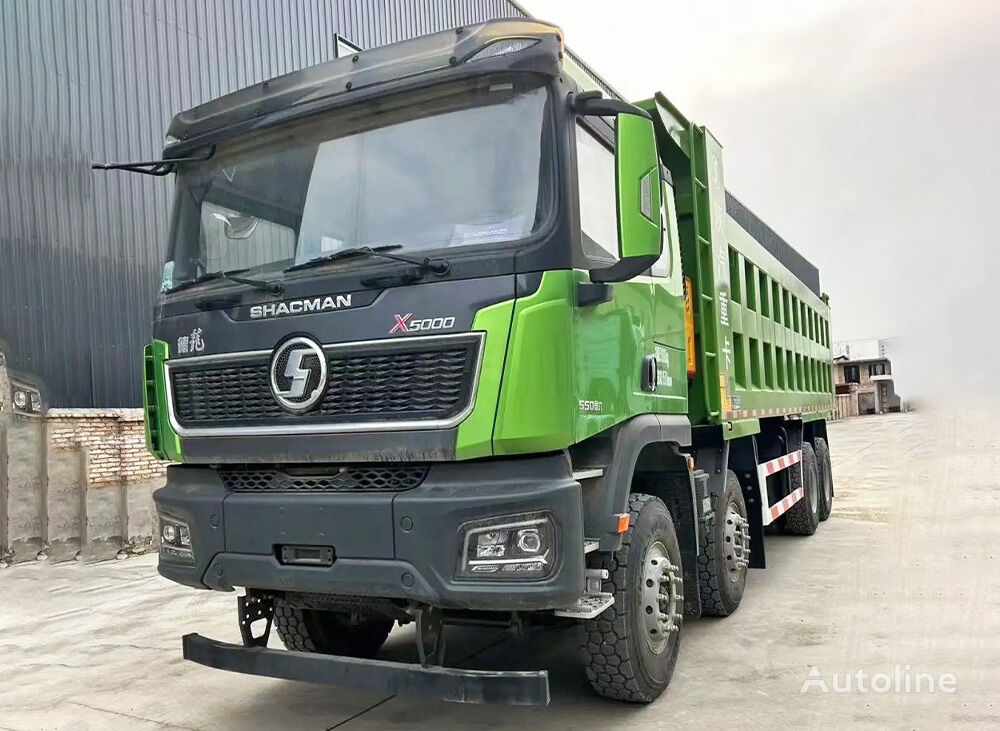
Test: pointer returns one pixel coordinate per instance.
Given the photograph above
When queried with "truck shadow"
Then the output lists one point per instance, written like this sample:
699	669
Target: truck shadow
553	649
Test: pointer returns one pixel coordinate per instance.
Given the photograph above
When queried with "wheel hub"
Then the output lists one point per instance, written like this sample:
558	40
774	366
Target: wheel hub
662	597
737	542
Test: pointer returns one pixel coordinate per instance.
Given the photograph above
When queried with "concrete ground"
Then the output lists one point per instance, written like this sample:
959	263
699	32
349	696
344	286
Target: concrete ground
903	573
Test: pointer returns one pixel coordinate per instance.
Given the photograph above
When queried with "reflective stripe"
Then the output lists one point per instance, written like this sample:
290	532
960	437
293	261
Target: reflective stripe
785	503
770	512
783	462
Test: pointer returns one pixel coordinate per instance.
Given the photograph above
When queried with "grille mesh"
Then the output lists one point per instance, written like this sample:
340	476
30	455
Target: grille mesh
406	380
350	478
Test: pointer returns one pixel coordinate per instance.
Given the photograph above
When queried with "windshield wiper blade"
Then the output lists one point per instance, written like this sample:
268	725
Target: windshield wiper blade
436	266
158	168
343	254
230	276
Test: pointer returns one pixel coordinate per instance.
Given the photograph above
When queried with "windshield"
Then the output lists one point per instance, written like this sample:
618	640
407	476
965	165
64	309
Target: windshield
455	166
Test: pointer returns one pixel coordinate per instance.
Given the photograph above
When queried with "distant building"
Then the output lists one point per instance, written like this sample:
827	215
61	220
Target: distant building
862	376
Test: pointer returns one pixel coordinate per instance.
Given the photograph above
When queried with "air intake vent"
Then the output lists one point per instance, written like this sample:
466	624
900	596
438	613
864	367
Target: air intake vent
346	478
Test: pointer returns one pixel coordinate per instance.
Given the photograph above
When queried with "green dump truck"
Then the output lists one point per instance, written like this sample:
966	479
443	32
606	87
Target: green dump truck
446	335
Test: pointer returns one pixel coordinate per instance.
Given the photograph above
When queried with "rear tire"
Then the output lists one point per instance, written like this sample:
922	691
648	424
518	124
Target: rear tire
725	552
631	649
825	478
803	517
329	633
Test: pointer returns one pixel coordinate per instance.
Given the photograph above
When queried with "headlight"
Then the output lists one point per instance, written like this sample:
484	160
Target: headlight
508	547
175	540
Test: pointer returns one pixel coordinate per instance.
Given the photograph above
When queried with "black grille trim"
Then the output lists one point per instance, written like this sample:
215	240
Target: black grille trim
344	478
386	384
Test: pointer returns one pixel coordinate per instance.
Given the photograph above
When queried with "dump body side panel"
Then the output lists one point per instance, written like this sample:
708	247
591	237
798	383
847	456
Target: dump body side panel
781	336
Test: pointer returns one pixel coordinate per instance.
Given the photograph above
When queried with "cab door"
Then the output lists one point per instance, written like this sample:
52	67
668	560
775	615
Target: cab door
611	339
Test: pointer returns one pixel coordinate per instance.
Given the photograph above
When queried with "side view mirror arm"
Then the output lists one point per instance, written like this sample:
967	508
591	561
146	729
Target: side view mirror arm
591	103
623	269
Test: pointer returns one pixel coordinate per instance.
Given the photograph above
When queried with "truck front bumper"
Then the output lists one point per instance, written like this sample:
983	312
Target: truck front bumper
512	687
401	545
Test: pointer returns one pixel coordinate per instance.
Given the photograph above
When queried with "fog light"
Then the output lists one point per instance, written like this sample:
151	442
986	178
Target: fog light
175	540
518	546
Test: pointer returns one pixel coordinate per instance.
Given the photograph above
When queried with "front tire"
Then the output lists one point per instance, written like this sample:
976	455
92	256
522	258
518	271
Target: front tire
329	633
632	646
725	553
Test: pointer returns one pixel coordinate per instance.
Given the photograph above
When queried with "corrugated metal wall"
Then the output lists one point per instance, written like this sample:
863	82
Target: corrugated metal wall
94	80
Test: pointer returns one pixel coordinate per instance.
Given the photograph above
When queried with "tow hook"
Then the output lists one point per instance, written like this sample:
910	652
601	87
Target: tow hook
430	633
250	609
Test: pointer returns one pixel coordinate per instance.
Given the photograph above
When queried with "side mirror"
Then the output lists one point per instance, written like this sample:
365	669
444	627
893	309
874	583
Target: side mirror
637	171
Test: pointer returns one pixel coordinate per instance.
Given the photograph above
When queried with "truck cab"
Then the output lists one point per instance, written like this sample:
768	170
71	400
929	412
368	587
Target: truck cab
422	353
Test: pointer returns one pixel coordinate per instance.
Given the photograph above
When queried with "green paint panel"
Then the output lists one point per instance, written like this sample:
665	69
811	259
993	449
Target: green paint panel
609	344
475	434
572	372
535	413
161	440
741	428
815	416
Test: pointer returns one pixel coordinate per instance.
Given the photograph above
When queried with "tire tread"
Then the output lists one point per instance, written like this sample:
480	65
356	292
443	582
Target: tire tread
826	473
709	569
610	667
798	519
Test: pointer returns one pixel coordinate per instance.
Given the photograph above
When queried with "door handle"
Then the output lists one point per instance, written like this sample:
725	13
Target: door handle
649	371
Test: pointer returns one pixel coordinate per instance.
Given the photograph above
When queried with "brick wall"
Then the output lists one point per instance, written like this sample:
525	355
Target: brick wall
76	484
114	440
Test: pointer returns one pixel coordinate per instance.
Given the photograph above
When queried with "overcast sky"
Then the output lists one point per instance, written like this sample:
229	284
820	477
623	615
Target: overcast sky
865	133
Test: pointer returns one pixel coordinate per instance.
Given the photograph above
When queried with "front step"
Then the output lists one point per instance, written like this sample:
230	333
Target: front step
587	606
593	602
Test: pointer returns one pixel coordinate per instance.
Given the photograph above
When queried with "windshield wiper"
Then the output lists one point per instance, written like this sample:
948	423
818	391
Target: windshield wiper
435	266
230	276
158	168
